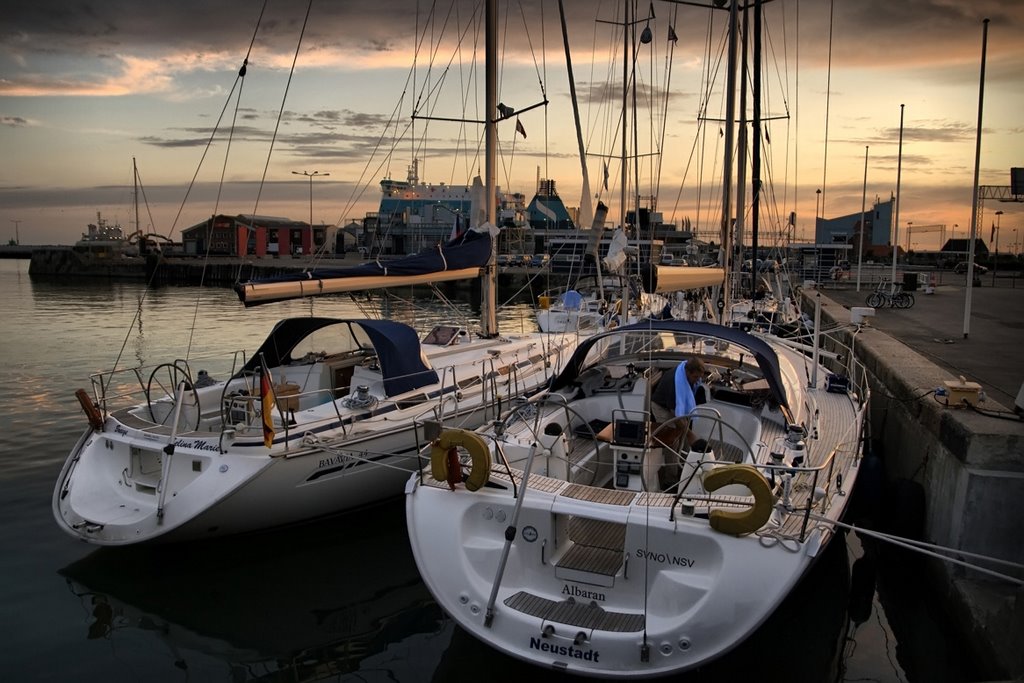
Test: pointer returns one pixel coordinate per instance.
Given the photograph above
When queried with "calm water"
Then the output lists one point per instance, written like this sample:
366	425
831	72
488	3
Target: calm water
338	599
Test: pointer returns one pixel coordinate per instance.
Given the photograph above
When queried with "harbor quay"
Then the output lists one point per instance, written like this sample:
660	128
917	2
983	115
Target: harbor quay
964	465
222	271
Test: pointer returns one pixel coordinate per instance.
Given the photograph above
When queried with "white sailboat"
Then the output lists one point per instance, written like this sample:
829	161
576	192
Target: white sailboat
325	416
588	539
581	535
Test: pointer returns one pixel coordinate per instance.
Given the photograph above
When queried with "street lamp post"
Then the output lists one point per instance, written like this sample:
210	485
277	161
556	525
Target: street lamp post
311	175
817	210
817	254
995	264
1016	260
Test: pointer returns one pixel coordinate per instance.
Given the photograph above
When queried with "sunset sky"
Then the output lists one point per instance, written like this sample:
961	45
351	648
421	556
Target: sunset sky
87	86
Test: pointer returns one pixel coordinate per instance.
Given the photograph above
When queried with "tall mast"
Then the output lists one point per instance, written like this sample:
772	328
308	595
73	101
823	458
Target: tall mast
730	117
586	215
625	113
739	232
488	315
135	180
755	173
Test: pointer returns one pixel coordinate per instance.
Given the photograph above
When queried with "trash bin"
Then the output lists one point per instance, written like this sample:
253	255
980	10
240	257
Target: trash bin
909	282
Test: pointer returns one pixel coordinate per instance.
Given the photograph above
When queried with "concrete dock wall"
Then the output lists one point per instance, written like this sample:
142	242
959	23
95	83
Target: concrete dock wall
971	468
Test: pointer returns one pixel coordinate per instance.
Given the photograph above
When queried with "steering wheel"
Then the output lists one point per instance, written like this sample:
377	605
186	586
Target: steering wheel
164	382
250	379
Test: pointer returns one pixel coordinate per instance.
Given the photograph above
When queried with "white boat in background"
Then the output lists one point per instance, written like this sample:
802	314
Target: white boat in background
621	290
323	417
582	537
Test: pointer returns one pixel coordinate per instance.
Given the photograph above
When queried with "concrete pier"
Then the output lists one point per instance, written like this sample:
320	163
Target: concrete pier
969	463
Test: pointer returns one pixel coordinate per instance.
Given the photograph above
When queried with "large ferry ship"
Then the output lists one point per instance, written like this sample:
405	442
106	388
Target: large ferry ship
414	214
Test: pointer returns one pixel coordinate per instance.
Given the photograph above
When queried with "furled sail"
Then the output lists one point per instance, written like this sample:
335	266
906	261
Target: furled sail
458	259
661	279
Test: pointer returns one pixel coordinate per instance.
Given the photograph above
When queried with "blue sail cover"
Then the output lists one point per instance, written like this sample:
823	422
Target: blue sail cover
764	354
471	249
397	346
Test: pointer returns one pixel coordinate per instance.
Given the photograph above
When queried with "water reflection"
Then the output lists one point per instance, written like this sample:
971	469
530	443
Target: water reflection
342	596
330	597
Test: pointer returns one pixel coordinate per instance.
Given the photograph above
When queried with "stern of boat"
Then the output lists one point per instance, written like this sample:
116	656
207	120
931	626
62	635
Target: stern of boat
593	583
118	487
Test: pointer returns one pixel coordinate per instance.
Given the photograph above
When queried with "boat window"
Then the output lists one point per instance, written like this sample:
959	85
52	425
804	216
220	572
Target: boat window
412	401
337	339
442	335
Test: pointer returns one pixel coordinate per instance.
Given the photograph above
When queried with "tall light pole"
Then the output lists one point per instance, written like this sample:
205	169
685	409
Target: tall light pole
863	217
817	254
17	235
817	210
1016	260
311	175
995	263
896	216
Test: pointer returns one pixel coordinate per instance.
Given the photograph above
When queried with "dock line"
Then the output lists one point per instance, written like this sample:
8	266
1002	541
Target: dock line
924	548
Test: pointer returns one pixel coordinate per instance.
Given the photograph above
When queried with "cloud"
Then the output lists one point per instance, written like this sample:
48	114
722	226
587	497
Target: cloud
15	121
324	127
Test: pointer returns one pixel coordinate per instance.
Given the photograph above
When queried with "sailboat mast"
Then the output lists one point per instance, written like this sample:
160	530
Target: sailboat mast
625	114
586	216
740	228
730	117
755	208
489	296
135	180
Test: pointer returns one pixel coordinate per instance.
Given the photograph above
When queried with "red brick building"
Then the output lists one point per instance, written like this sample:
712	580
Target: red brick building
248	235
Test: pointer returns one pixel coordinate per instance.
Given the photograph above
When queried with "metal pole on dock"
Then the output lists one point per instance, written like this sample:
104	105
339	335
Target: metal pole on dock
863	207
896	215
974	199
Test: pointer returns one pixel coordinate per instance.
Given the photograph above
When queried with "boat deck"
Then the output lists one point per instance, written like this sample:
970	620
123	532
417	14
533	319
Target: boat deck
835	414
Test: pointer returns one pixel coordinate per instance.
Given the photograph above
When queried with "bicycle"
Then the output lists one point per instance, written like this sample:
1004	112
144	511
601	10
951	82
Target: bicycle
889	295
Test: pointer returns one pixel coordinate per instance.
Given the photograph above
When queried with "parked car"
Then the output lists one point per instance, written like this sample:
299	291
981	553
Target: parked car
961	268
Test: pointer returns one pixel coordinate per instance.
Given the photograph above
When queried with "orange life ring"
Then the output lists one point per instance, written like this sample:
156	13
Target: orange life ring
480	455
741	522
92	411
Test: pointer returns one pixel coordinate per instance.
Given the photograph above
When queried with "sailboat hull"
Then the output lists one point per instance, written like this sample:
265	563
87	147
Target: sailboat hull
679	596
138	478
604	544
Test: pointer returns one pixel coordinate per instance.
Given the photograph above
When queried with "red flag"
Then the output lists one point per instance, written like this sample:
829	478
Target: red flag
267	404
520	129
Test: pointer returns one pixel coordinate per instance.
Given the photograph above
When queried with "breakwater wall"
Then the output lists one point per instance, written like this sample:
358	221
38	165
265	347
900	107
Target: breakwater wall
515	282
970	468
66	262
